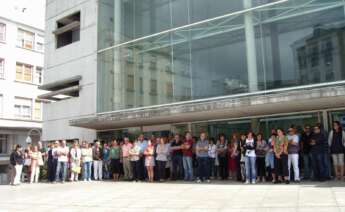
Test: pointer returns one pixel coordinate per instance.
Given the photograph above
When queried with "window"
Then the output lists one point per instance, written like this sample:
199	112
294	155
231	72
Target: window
302	58
327	50
22	108
38	76
24	72
68	30
39	43
38	110
2	68
2	32
25	39
153	87
141	85
130	83
314	56
3	144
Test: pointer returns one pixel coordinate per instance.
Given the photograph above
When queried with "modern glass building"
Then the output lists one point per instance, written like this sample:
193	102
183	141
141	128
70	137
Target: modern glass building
220	65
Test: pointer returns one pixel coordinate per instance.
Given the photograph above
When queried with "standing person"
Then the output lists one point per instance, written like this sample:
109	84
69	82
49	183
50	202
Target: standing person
222	146
97	154
127	169
318	142
26	171
161	158
261	151
250	158
36	161
293	150
187	151
134	154
142	142
86	157
115	155
232	157
150	160
305	149
17	161
202	158
269	159
336	142
212	154
176	156
52	161
62	153
106	161
75	159
11	167
281	157
242	158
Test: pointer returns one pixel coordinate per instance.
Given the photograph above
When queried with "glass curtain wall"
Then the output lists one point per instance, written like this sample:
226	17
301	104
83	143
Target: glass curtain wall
151	52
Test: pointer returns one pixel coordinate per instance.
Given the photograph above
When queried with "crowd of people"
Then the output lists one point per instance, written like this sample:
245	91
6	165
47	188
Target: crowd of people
283	157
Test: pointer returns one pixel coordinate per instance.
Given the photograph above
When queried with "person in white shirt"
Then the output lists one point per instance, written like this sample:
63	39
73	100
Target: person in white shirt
86	157
75	154
212	154
293	150
250	158
61	170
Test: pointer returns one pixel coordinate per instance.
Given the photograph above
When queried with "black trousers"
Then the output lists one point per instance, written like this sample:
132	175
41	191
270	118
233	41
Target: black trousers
142	169
136	169
261	166
161	170
223	167
52	164
281	166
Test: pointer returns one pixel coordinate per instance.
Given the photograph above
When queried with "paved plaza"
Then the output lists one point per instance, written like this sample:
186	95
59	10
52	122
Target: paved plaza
161	197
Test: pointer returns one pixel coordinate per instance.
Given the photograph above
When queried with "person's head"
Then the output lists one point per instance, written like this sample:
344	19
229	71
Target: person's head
75	144
212	141
336	126
115	143
63	143
280	132
35	148
274	132
317	129
243	137
203	136
222	137
188	135
126	140
259	137
141	137
84	144
291	131
177	137
18	148
56	144
250	135
234	136
162	140
149	142
306	128
97	144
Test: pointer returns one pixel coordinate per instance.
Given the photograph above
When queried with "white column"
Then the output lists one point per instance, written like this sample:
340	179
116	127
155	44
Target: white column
250	48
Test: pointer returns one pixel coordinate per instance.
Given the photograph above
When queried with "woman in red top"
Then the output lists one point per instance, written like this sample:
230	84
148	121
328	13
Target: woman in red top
232	154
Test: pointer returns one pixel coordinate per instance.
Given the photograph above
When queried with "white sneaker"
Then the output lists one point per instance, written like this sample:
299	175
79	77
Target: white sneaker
85	180
247	182
198	181
208	181
253	182
89	180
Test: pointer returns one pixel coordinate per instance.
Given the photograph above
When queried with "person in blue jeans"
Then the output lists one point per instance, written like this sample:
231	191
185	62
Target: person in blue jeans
202	157
187	151
62	154
86	157
250	158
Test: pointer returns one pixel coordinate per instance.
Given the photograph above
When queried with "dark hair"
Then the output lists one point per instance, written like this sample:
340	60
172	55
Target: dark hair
221	135
280	130
338	123
18	146
252	133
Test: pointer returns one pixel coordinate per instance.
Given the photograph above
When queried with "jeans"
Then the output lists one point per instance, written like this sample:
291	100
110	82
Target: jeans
52	164
98	169
250	168
203	168
161	170
87	170
106	169
320	166
61	170
188	167
269	160
177	167
18	174
293	160
307	166
212	168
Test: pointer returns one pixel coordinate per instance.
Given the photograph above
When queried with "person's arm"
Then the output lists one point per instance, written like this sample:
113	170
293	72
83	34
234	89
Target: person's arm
330	138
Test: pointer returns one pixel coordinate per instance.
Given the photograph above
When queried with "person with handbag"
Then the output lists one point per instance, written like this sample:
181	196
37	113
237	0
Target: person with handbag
36	162
75	159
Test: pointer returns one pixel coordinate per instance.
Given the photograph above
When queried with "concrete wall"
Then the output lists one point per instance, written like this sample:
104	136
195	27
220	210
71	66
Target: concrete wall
78	58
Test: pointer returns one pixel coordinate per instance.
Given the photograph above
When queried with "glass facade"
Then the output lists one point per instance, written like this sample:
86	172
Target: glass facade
155	52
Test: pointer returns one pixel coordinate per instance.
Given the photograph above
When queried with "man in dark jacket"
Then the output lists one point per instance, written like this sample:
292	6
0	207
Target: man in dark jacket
318	142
